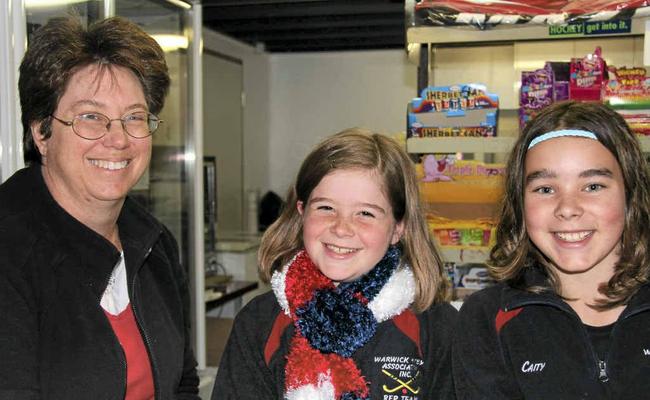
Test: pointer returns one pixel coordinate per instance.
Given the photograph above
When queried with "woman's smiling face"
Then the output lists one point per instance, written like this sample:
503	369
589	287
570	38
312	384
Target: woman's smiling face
81	172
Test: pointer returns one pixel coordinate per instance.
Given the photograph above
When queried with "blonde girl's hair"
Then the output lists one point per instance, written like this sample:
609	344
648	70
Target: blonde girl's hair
514	253
361	149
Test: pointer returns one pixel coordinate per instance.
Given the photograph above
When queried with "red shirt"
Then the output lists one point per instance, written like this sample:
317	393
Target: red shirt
139	378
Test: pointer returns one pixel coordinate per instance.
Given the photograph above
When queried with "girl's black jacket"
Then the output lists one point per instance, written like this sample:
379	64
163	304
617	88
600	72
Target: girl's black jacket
55	340
395	366
512	344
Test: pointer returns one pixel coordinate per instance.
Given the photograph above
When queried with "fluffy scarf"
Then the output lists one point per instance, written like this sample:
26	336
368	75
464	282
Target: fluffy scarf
332	322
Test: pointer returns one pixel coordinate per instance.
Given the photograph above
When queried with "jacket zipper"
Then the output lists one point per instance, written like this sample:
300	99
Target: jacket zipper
602	371
119	345
601	365
138	320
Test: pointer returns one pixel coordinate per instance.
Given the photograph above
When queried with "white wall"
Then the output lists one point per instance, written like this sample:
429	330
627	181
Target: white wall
256	109
314	95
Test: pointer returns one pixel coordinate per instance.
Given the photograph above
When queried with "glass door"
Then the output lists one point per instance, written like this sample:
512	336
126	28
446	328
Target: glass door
162	189
168	187
38	12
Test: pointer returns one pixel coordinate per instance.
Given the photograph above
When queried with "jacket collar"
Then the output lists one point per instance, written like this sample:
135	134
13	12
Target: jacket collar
139	232
513	297
96	256
639	302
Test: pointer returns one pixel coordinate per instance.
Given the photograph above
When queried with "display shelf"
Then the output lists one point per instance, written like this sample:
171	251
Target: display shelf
427	45
437	35
476	145
464	256
460	144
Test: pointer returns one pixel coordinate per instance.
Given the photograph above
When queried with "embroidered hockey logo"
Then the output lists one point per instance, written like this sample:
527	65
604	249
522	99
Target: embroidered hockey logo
401	377
529	367
404	386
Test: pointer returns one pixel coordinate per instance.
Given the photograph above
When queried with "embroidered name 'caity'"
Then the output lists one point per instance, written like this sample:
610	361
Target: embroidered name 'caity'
528	367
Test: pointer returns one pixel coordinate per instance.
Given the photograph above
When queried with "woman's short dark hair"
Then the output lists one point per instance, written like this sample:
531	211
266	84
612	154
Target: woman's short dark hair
63	46
514	252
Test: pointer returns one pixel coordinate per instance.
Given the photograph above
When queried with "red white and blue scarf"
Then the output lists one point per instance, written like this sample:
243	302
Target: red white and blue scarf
331	322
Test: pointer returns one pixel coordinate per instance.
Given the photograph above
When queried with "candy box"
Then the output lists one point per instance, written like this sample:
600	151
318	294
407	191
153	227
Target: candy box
561	74
467	278
536	93
461	234
468	275
628	92
464	110
627	88
444	179
472	276
541	88
587	77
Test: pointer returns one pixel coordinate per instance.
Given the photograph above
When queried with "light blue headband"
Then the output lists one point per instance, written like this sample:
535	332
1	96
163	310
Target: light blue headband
561	133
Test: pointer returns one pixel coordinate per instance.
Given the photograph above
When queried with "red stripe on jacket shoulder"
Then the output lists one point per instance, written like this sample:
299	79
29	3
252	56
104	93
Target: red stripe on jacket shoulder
273	342
409	324
503	317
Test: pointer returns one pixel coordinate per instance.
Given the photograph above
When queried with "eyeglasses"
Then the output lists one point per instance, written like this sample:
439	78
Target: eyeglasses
93	126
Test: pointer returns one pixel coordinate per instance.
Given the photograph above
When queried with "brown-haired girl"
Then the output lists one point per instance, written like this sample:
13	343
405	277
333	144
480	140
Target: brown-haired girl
357	309
569	318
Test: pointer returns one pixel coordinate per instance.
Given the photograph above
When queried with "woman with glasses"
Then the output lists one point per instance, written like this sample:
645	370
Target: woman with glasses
93	300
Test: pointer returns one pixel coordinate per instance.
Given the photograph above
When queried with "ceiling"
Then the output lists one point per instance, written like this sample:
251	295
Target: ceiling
309	25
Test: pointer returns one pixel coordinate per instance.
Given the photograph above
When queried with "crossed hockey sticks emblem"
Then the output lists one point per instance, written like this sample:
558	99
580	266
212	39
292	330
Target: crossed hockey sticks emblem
401	385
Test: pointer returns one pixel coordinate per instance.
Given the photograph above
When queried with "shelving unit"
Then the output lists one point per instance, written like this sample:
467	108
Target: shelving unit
476	145
460	145
436	35
428	46
420	37
463	256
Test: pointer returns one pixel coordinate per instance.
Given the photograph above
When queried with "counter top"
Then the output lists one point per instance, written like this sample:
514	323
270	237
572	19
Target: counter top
237	246
221	294
237	241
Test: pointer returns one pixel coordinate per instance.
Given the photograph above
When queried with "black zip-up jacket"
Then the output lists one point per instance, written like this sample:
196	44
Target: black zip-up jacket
417	374
512	344
55	340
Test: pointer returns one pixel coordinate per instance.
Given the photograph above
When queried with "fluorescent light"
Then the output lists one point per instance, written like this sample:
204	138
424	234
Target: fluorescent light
50	3
56	3
180	3
171	42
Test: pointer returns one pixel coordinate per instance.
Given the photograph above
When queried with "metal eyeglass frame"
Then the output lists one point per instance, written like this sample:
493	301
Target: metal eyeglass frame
71	124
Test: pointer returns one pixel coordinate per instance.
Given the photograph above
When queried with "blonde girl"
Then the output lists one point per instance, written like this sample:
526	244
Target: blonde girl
357	309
